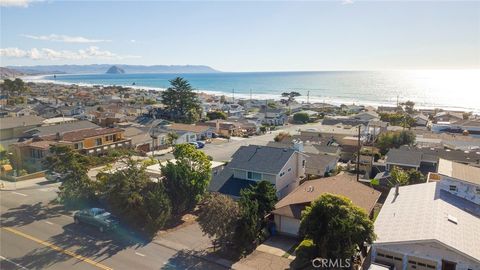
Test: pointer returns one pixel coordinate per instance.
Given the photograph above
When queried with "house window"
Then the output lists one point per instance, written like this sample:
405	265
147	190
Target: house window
303	163
282	174
452	188
254	176
36	153
289	169
109	138
477	190
98	141
78	146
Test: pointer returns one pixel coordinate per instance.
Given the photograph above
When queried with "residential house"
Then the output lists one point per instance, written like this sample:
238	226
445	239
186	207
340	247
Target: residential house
273	117
12	128
447	116
189	133
287	213
465	127
366	116
235	110
319	165
283	167
52	129
430	226
224	127
459	179
147	139
29	154
411	158
420	119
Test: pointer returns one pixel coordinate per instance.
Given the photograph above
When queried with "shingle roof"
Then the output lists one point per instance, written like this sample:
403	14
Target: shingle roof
61	128
404	157
84	133
261	158
190	128
459	171
343	184
13	122
316	163
420	213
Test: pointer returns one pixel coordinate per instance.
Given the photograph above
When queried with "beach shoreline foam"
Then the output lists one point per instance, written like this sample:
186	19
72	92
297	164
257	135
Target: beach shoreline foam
302	99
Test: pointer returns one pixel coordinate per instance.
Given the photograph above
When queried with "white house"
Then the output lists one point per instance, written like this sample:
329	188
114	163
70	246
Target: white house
435	225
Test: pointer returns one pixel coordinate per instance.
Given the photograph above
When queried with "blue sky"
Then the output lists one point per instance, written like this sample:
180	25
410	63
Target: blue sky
244	36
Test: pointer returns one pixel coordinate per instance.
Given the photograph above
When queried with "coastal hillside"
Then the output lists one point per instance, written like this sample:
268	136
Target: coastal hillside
101	68
6	73
115	70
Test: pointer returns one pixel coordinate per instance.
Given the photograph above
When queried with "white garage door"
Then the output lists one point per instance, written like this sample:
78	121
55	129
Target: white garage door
289	225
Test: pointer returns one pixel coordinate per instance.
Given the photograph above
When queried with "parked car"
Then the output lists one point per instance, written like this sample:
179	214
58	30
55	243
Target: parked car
54	176
194	144
200	144
97	217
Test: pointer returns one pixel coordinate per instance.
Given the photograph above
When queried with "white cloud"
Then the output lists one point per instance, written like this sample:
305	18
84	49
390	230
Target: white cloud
347	2
65	38
16	3
91	52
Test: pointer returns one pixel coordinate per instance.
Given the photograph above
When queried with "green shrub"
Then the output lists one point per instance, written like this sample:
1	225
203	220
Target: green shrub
301	118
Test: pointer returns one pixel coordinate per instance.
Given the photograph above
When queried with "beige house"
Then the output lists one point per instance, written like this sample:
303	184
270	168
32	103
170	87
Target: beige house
287	213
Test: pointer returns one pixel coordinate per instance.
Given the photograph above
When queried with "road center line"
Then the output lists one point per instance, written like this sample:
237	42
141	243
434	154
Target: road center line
57	248
140	254
18	193
10	261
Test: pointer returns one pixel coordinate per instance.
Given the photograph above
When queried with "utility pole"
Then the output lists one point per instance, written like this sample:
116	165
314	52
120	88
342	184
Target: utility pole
358	154
250	94
308	97
233	95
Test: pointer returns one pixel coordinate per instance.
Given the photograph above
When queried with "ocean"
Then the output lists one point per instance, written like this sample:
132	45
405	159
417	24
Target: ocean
446	89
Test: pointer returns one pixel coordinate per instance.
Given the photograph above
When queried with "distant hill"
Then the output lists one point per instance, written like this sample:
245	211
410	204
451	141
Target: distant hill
6	73
115	70
101	68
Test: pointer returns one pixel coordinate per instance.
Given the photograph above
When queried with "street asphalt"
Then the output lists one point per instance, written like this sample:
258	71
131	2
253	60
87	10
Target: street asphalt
37	235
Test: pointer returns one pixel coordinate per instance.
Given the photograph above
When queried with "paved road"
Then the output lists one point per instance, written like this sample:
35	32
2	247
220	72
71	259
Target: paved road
224	151
36	235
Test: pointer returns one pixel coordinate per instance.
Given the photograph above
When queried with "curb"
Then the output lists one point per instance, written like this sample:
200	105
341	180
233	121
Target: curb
221	262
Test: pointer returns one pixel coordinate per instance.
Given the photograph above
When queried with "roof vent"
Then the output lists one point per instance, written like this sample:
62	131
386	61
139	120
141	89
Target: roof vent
452	219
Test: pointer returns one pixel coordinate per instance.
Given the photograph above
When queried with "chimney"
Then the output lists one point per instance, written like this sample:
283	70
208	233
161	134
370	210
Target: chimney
397	190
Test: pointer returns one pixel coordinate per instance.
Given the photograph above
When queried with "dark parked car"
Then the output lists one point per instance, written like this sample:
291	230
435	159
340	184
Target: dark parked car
97	217
200	144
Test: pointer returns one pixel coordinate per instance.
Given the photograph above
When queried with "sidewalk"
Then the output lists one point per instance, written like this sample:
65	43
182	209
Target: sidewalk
7	185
